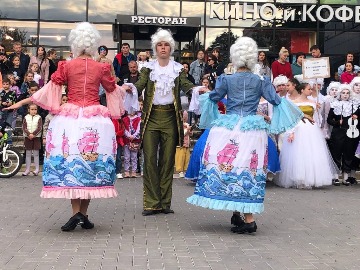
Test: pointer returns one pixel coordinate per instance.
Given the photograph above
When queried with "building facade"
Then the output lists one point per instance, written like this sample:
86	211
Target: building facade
294	24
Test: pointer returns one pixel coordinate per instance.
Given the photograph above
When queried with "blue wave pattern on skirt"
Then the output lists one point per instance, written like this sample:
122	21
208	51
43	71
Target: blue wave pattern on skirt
220	190
59	172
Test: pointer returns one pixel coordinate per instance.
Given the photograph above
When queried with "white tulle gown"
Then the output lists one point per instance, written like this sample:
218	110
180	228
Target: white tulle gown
306	162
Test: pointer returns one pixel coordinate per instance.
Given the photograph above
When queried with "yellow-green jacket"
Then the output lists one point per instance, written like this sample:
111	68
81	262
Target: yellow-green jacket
181	83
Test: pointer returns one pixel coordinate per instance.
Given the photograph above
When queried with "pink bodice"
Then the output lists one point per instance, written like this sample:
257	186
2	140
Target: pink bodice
83	78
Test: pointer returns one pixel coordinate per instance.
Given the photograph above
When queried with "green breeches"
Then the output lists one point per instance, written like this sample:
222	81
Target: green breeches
159	146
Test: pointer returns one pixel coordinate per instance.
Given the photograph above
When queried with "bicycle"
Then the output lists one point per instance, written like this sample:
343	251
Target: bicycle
10	159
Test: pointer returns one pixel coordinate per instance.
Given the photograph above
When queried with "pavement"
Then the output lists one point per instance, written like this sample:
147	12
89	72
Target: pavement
300	229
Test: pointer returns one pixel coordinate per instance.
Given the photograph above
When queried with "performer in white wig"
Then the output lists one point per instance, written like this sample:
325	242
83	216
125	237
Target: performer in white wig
280	83
161	125
332	92
355	87
234	163
80	142
343	117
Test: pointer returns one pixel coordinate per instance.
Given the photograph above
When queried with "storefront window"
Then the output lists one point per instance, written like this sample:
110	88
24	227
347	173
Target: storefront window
158	8
54	34
24	9
64	10
22	31
106	11
215	36
297	1
193	9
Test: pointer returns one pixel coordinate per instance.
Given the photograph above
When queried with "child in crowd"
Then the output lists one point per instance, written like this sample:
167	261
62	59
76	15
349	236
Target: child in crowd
140	160
13	86
34	68
29	77
141	60
32	88
16	70
194	107
119	131
132	142
49	117
182	155
32	126
8	98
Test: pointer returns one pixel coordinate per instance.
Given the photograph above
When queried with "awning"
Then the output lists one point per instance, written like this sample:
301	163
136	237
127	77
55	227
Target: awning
141	27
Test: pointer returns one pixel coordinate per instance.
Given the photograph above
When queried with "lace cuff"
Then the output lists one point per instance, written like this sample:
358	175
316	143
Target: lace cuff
115	102
209	111
48	97
285	116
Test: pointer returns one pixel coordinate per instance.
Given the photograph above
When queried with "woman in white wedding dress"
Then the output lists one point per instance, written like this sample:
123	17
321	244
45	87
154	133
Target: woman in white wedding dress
305	159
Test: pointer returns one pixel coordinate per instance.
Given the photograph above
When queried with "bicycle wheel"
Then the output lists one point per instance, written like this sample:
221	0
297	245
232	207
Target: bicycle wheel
11	166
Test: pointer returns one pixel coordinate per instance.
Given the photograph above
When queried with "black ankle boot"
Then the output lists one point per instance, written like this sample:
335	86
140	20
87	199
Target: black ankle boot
245	228
87	224
237	220
75	220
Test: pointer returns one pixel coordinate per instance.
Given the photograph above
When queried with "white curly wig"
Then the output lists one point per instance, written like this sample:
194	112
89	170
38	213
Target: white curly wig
281	79
84	38
342	87
244	53
299	78
355	80
332	85
162	35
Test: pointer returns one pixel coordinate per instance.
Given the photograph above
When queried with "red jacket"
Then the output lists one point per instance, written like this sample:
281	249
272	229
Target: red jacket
135	124
278	68
347	77
119	131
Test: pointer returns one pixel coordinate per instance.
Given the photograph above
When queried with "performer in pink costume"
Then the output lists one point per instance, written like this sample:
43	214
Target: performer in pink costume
80	163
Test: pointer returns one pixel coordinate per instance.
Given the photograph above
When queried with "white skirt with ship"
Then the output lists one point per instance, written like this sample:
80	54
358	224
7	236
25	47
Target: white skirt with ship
80	149
233	169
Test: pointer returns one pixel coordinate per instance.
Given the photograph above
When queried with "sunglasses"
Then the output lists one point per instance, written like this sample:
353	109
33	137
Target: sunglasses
2	50
209	60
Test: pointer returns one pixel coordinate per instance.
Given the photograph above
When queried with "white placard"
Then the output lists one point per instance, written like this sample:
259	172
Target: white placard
313	68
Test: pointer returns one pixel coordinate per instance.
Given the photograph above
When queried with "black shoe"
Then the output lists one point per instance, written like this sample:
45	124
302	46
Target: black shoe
150	212
237	220
75	220
87	224
336	182
352	180
245	228
346	183
167	211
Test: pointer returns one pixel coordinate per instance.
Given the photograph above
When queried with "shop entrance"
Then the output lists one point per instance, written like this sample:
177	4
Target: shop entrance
139	30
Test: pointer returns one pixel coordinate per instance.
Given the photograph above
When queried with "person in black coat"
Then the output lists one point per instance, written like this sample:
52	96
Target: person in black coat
344	137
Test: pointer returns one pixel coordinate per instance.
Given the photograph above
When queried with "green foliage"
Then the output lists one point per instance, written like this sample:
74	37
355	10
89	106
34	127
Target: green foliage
223	43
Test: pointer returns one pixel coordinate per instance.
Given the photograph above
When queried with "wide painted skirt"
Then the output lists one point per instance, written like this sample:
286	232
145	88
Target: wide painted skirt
80	158
233	171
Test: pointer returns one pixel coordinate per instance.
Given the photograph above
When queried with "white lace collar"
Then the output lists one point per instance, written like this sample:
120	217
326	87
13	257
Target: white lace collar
344	108
164	77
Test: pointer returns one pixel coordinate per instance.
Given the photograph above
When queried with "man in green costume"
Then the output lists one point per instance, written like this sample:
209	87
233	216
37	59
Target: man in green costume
161	122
